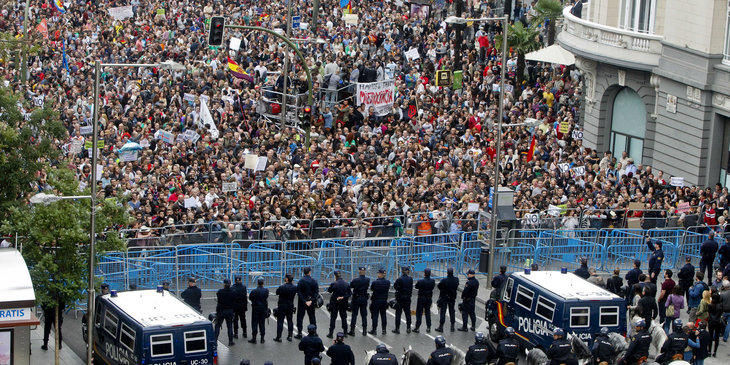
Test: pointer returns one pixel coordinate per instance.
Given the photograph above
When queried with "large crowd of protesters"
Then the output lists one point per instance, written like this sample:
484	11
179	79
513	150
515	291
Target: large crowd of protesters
434	153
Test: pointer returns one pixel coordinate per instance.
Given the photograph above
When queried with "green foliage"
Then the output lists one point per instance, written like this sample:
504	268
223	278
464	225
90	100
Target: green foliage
56	238
522	40
26	146
550	11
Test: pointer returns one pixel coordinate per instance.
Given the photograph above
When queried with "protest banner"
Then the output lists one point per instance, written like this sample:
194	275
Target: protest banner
86	130
121	12
443	78
229	186
677	181
128	156
579	170
412	54
683	207
167	137
191	135
261	163
564	127
378	95
251	162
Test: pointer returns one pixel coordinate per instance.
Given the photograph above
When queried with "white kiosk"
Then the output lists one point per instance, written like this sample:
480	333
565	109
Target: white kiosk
17	304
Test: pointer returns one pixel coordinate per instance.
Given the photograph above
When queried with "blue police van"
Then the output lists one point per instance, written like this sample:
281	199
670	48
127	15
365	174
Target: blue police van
535	303
152	328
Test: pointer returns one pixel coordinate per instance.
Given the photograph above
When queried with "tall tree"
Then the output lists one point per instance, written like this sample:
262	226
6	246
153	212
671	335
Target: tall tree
522	40
548	11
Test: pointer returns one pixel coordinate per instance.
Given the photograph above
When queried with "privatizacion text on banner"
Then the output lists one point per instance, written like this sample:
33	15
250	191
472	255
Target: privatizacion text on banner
379	95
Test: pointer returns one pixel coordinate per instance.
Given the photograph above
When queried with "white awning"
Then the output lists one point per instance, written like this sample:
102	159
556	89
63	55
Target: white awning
16	288
552	54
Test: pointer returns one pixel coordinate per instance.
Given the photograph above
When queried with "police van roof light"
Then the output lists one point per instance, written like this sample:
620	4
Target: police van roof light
564	270
527	271
159	289
113	293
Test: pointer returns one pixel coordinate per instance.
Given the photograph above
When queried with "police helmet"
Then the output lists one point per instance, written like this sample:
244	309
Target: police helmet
677	323
479	337
440	341
559	332
340	336
381	348
316	361
509	331
604	331
640	323
312	329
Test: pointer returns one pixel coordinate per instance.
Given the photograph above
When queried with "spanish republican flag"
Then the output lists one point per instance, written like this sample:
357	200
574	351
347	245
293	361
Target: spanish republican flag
237	71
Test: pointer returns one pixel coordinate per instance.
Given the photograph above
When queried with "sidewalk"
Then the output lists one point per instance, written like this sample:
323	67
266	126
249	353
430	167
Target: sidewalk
38	356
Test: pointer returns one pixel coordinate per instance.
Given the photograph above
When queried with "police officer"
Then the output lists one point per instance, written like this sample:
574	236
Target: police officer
259	307
561	351
481	352
497	280
655	260
508	349
632	277
311	345
639	345
674	344
379	301
425	288
403	290
602	350
443	355
447	298
582	271
49	322
166	286
359	288
192	295
708	250
382	356
469	301
307	290
724	252
340	291
224	310
286	293
239	312
341	353
686	276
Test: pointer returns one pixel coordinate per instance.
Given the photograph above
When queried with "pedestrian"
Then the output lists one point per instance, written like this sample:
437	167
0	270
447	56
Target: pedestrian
509	348
603	350
655	259
685	276
447	299
708	250
192	294
667	287
582	271
717	283
340	352
285	307
675	344
259	298
379	301
425	288
383	356
724	252
615	283
561	350
638	350
307	291
468	301
442	355
403	291
632	278
224	310
695	295
725	300
239	312
596	279
340	294
50	311
481	352
673	307
702	310
311	345
702	343
714	321
359	288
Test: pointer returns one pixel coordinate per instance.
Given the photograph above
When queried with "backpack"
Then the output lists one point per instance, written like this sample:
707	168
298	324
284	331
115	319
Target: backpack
669	312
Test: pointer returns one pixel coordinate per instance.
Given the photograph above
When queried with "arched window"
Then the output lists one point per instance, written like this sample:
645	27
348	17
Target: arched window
628	124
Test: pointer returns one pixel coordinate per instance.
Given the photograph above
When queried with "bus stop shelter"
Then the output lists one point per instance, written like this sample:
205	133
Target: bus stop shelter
17	301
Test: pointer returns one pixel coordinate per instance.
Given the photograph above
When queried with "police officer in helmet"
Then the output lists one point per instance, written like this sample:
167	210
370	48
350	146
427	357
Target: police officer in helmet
379	301
403	290
447	298
638	346
259	306
561	351
509	348
469	299
307	290
382	356
443	355
359	287
285	307
192	295
340	291
239	311
311	345
425	288
341	353
602	351
481	352
674	344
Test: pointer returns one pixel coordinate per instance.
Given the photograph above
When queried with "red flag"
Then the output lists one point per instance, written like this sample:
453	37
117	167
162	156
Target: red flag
531	151
43	28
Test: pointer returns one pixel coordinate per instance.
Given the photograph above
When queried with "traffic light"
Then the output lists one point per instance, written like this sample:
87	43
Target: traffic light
305	117
215	33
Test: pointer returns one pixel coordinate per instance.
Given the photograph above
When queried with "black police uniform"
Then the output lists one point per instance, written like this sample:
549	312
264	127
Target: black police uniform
469	299
582	271
442	356
561	352
224	311
632	277
341	354
508	350
602	350
674	344
259	305
385	358
191	296
403	290
339	288
480	353
239	311
379	302
312	346
425	288
359	288
307	289
447	298
708	250
724	253
286	293
638	348
655	261
686	275
49	321
498	280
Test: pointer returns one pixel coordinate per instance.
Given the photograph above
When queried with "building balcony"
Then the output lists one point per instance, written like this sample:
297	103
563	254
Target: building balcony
608	44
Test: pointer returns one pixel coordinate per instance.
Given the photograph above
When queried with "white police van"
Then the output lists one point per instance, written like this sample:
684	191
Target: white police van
152	328
535	303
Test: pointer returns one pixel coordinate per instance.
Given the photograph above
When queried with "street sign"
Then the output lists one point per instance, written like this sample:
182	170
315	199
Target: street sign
295	20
